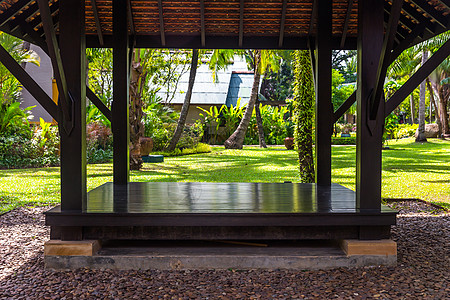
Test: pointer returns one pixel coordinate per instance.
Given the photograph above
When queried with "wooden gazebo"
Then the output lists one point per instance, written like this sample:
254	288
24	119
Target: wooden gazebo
379	29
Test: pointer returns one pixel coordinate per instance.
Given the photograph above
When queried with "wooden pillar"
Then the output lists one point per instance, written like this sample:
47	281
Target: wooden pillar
121	82
324	112
72	45
369	140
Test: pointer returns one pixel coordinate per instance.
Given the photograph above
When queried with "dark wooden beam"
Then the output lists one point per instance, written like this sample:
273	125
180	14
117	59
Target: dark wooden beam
220	42
384	61
241	23
283	20
202	23
121	83
28	82
313	17
130	17
324	112
368	142
344	107
37	21
407	42
97	22
13	10
99	104
347	21
161	23
420	75
437	16
65	103
73	145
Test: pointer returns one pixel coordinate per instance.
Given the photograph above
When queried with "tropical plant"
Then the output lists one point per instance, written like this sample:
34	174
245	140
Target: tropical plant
211	119
303	117
14	120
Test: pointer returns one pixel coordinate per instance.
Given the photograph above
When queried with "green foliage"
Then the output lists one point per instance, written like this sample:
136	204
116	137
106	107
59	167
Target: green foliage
343	140
277	86
198	148
211	120
231	116
39	149
274	125
14	120
159	123
405	131
99	143
390	125
303	114
339	91
190	137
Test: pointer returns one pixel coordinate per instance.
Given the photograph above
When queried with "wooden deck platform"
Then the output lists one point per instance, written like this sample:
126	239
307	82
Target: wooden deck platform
185	210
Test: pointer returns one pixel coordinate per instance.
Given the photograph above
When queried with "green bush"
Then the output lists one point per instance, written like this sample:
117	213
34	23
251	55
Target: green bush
343	140
405	130
99	146
199	148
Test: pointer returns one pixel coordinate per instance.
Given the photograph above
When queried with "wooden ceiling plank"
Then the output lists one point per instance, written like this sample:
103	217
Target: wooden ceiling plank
37	21
31	10
446	3
241	23
13	10
413	13
407	42
283	21
161	23
432	12
202	23
346	22
97	22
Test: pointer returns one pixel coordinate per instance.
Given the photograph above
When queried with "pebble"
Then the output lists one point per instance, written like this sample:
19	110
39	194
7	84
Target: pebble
422	272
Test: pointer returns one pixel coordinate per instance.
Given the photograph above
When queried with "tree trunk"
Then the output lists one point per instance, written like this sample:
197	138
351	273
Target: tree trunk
443	101
236	140
303	106
187	101
262	140
413	108
421	130
436	109
136	125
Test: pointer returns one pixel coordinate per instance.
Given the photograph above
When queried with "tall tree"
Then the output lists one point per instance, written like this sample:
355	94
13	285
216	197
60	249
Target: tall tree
303	106
187	101
259	61
421	130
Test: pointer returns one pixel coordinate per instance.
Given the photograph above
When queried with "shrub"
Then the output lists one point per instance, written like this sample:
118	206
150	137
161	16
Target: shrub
343	140
405	130
199	148
98	143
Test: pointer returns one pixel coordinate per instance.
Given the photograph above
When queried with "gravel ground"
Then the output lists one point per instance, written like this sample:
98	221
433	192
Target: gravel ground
423	270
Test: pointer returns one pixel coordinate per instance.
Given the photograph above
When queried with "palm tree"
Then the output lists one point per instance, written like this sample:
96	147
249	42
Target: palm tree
259	61
187	101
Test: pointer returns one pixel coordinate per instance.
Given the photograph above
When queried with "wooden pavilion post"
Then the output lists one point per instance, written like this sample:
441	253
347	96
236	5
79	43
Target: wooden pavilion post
324	111
121	82
72	47
369	130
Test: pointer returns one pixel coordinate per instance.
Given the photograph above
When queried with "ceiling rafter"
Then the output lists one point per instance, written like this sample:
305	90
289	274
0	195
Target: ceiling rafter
202	23
282	23
161	23
13	10
413	13
432	12
130	17
346	22
241	23
97	22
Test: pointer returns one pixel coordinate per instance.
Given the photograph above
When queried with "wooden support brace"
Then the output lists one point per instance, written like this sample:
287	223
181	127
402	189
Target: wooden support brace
99	104
65	101
25	79
97	22
420	75
344	107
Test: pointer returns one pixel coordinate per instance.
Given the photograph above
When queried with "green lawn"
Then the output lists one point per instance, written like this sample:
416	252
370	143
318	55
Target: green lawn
409	171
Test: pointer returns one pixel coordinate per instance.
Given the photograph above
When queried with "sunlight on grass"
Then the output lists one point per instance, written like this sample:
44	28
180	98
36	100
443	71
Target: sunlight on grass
410	170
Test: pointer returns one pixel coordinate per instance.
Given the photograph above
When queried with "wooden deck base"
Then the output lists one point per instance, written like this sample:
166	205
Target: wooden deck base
71	248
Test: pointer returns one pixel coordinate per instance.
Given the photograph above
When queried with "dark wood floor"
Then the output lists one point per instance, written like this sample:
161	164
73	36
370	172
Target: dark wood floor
194	197
187	210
